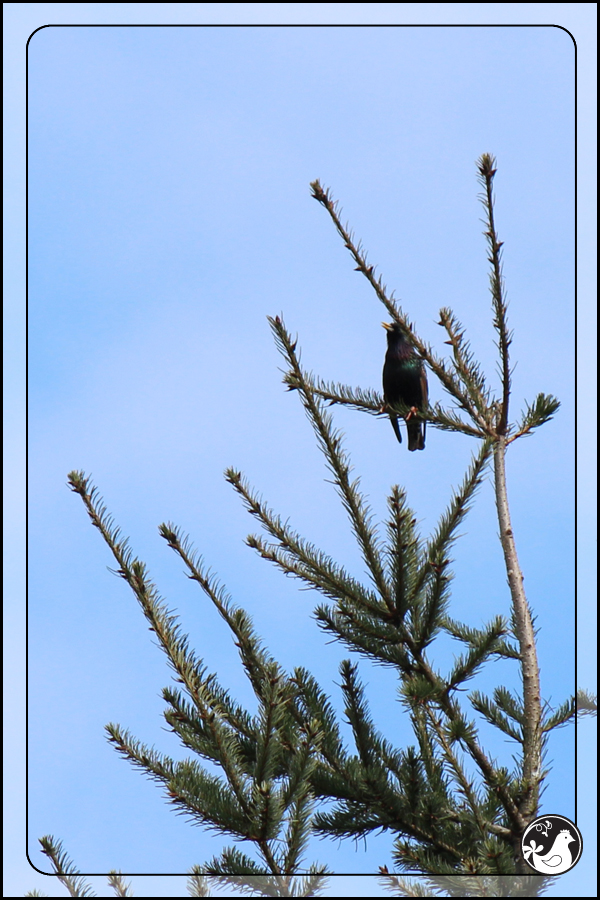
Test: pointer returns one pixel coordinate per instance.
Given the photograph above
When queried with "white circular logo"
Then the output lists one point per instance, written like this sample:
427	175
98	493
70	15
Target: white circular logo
551	845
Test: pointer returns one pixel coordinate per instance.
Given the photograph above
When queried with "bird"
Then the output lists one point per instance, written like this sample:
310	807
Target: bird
405	381
557	860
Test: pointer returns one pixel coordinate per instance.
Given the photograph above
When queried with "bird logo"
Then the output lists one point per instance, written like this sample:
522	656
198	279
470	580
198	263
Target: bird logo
558	852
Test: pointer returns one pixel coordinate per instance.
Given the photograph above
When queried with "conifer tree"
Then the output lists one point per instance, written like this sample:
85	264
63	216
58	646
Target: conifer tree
285	770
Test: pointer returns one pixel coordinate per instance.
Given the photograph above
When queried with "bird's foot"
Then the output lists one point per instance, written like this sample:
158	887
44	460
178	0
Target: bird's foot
413	411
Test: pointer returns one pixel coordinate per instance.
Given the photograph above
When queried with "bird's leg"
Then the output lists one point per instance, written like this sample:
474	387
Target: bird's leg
413	411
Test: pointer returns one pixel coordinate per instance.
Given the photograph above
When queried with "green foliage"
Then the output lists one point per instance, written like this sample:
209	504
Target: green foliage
263	796
65	871
468	886
587	703
538	413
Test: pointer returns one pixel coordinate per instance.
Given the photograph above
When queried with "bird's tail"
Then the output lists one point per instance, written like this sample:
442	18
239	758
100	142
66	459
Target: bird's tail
416	434
396	427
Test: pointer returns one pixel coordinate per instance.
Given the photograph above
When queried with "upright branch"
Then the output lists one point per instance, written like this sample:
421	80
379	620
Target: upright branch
532	705
486	166
525	634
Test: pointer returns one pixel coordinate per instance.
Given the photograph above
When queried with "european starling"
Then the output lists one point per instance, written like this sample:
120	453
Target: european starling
405	381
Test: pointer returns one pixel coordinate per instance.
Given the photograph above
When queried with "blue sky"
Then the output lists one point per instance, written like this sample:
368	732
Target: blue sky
169	214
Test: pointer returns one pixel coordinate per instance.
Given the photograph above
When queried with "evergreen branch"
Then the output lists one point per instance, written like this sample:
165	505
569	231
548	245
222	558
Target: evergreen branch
435	555
563	714
536	414
267	816
337	781
448	420
403	551
116	882
400	887
437	365
197	883
159	767
587	703
427	620
361	399
358	715
162	621
194	733
368	802
422	858
295	556
332	582
505	650
248	807
299	802
427	756
345	630
486	167
211	801
271	722
330	746
376	629
466	368
372	802
226	747
316	707
313	884
492	810
272	730
204	737
371	402
421	687
330	442
233	868
460	777
188	786
473	636
466	666
233	864
255	660
352	820
64	869
490	711
358	633
460	729
467	885
509	704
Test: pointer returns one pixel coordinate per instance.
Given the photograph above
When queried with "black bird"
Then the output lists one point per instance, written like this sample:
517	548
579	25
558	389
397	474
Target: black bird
405	381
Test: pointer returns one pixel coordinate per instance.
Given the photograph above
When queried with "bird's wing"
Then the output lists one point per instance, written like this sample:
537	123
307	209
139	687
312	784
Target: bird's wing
553	862
424	394
424	386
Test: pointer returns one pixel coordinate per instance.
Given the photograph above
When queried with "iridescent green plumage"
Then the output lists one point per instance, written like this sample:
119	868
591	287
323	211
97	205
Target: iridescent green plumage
405	382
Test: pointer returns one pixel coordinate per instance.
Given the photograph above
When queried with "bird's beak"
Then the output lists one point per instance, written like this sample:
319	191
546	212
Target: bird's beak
387	326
